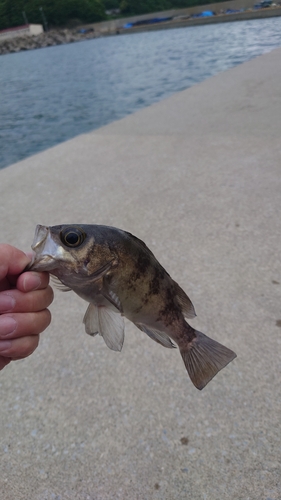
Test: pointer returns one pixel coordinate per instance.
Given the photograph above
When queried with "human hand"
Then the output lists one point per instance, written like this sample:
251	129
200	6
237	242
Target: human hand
23	302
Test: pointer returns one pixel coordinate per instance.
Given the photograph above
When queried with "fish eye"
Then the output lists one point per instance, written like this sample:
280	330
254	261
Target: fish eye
72	237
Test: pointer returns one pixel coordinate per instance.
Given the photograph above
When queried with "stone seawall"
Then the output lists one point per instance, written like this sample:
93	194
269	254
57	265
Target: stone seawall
54	37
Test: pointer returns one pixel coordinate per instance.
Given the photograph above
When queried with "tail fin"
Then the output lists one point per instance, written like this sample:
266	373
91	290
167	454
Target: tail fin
204	358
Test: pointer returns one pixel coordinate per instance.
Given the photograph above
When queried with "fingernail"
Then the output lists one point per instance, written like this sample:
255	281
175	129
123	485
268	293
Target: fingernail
31	282
7	325
5	345
7	303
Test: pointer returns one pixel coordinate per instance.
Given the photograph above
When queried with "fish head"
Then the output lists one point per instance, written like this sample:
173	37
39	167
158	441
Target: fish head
58	247
66	249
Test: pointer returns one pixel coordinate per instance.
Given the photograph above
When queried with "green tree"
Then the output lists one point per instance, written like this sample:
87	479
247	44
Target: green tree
57	12
111	4
136	7
3	15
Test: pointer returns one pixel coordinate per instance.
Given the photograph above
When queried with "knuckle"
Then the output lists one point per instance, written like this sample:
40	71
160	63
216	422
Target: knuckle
45	278
47	318
50	295
41	321
29	345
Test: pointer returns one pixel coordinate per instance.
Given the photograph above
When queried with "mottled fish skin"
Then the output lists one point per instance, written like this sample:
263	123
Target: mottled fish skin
119	276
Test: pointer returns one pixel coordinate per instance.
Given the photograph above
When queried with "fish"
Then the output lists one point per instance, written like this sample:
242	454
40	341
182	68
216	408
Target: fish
117	274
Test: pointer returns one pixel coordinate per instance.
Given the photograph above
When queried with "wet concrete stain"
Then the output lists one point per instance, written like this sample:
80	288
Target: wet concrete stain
184	440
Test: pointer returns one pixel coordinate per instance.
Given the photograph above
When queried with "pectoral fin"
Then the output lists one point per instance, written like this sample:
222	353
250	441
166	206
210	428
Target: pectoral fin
109	324
59	285
112	298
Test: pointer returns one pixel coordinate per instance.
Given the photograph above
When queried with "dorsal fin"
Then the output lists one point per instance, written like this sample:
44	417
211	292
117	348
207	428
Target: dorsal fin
185	303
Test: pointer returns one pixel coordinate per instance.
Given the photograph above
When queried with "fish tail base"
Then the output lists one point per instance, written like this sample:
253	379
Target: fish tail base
204	358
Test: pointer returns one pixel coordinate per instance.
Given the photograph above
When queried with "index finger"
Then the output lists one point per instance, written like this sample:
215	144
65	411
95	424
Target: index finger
12	260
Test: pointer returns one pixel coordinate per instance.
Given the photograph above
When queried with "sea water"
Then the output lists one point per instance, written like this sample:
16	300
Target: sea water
53	94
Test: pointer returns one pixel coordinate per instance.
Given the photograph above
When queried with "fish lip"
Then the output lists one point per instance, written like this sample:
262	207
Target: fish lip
40	236
37	242
44	263
46	252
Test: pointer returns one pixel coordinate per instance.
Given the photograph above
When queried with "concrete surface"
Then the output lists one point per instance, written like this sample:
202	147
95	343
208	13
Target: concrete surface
197	176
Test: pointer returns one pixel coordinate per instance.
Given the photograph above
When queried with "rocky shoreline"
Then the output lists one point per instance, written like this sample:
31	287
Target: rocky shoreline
48	39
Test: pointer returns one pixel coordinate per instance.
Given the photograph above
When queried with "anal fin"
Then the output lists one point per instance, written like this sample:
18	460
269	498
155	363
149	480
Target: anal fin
159	337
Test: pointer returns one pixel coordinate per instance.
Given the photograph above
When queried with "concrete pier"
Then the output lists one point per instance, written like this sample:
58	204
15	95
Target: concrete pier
197	177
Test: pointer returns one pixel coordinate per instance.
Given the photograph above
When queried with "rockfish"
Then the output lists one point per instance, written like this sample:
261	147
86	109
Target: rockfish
119	276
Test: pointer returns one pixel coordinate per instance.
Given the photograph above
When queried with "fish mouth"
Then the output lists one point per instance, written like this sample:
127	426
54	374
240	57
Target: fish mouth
44	263
40	236
46	251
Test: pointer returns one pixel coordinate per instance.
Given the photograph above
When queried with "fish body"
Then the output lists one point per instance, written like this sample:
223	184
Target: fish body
119	276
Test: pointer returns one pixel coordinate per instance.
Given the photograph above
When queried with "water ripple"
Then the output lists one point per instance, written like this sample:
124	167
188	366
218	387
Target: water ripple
50	95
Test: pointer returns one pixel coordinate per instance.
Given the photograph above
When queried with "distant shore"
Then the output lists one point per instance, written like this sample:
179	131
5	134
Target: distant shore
64	36
218	18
